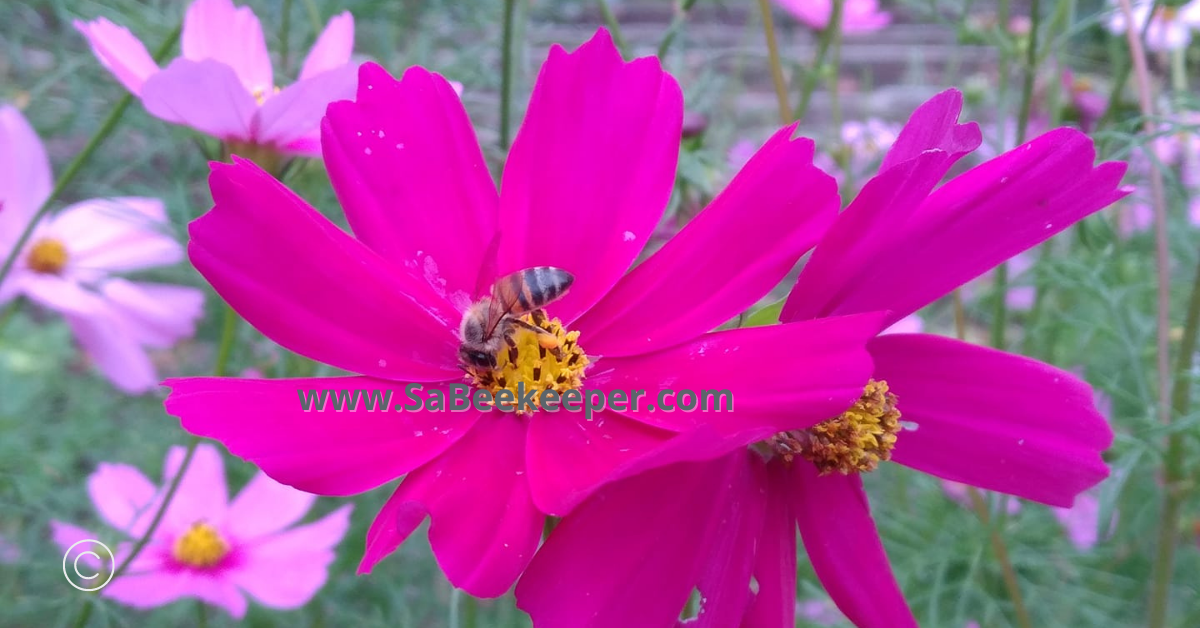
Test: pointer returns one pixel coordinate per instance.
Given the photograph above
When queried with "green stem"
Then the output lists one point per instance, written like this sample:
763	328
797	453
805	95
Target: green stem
85	613
835	25
1001	551
614	27
508	72
673	29
201	615
219	369
813	76
9	312
1173	472
285	27
106	129
785	112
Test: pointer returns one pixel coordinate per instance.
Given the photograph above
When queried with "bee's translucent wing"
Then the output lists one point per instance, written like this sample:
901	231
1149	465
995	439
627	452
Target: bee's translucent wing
505	296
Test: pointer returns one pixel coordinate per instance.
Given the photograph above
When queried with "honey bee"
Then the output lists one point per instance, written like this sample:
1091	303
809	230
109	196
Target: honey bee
490	322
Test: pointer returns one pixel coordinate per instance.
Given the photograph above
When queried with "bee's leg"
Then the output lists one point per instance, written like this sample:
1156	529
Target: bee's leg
538	316
529	326
512	349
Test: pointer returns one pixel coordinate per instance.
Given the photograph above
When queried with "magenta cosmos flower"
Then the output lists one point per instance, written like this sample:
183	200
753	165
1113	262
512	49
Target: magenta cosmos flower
207	547
587	180
70	263
957	411
223	85
858	16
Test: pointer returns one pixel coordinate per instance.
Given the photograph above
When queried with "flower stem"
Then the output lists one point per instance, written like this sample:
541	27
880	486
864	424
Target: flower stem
508	70
85	612
673	29
1001	551
614	27
835	70
813	75
785	112
201	615
285	27
106	129
223	351
1164	560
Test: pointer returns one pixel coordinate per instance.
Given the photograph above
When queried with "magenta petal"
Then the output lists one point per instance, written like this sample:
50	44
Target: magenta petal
296	112
724	584
405	164
775	557
985	216
592	168
725	260
934	125
817	369
204	95
631	554
844	548
992	419
483	526
329	453
307	285
871	226
568	456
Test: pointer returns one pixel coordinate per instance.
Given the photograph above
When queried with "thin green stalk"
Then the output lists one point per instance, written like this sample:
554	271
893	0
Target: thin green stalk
677	21
508	72
785	112
835	70
9	312
1173	476
285	27
106	129
201	615
314	14
85	612
614	27
813	75
1001	551
219	369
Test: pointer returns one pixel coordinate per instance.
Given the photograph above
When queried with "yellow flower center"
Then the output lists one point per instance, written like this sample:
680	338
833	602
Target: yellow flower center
200	546
48	256
260	93
536	362
854	442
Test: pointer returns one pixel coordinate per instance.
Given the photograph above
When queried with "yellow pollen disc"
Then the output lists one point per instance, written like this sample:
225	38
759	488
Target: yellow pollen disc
200	546
48	256
854	442
536	364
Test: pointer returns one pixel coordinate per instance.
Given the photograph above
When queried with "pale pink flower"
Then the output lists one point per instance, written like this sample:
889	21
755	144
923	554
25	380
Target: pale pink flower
1081	521
207	547
1170	27
911	324
68	265
224	86
865	143
858	16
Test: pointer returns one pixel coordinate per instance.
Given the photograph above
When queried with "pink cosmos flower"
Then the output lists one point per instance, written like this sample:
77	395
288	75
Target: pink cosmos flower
858	16
69	263
207	547
223	85
969	414
586	181
1170	26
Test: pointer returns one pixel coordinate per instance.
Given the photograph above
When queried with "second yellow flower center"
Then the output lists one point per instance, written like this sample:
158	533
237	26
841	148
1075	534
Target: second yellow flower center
200	546
854	442
48	256
537	362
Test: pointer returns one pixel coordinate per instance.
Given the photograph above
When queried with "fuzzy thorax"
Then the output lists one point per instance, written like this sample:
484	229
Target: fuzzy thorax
534	362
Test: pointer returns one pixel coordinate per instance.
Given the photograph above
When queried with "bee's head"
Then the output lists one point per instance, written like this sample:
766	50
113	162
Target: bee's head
476	358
